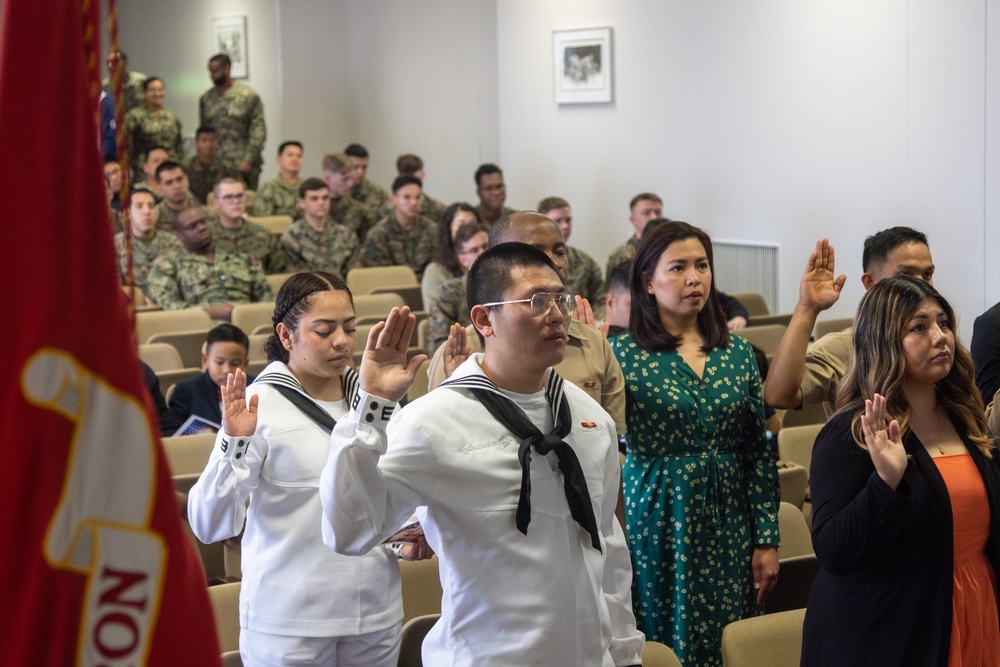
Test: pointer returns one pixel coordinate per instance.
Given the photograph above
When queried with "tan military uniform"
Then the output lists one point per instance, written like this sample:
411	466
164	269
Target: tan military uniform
623	253
335	249
505	210
446	308
145	130
167	215
276	197
203	177
184	280
238	118
371	196
388	244
588	362
133	94
585	279
252	240
144	253
827	362
349	213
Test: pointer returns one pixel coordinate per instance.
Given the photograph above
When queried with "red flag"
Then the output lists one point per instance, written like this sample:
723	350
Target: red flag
96	569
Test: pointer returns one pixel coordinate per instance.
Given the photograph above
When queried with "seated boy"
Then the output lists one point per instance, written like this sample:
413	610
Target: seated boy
226	349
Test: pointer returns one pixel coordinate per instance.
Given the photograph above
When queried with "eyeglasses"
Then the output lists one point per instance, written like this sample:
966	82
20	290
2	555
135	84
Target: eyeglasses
542	303
233	197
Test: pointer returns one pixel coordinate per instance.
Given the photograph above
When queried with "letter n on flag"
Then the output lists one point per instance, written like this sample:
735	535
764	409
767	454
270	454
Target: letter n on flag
95	567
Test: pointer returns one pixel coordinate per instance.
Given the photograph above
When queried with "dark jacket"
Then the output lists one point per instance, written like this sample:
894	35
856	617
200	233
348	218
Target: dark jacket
884	593
196	396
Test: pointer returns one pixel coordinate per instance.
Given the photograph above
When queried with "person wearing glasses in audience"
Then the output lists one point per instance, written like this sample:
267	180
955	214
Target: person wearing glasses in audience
515	473
492	194
700	480
232	232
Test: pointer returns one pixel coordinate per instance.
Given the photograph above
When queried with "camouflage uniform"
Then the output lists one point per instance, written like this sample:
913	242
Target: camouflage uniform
585	279
132	90
238	118
429	208
349	213
388	244
448	307
203	177
117	221
184	280
167	215
145	130
371	195
276	197
252	240
335	249
623	253
144	252
504	210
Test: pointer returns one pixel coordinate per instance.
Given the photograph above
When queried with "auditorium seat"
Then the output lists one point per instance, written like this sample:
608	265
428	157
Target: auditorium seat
248	316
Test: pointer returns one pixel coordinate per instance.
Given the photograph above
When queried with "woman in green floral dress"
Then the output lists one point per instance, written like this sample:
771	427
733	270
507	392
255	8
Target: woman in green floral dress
152	125
701	491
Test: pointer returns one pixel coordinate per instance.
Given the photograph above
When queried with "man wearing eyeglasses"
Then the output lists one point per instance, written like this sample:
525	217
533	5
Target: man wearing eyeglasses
515	473
492	193
171	178
233	233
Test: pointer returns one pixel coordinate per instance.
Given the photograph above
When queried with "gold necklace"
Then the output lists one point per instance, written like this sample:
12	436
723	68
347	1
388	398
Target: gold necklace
941	449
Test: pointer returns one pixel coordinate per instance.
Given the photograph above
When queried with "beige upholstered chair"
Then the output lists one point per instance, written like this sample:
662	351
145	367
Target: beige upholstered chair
160	357
272	223
225	600
276	280
188	343
163	321
796	539
766	336
421	585
362	280
795	443
823	327
772	640
760	314
249	316
372	308
412	639
656	654
793	480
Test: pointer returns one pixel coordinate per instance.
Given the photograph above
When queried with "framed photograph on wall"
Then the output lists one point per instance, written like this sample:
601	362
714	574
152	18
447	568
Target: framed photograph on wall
229	36
584	66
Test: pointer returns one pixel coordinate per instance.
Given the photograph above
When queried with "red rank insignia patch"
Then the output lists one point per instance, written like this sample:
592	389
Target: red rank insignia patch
589	384
588	424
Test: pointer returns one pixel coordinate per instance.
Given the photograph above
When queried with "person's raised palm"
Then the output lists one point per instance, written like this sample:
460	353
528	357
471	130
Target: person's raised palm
884	442
239	418
820	286
384	370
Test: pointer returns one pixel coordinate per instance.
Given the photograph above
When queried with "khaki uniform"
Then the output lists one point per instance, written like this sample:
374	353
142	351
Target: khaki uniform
145	130
238	118
588	362
184	280
446	308
388	244
349	213
585	279
429	208
132	93
371	196
165	222
623	253
203	177
144	252
252	240
335	249
827	362
276	197
505	210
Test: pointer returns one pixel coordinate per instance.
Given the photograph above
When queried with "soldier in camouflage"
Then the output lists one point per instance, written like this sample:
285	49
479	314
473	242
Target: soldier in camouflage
315	243
198	276
147	243
153	125
173	182
448	305
205	168
131	82
369	194
409	164
280	195
153	158
492	194
644	208
233	233
237	114
405	237
585	276
343	209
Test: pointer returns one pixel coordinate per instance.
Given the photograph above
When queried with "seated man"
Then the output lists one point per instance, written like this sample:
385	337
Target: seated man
409	164
280	195
539	576
233	233
226	349
147	242
314	242
205	168
154	157
643	209
199	277
588	362
448	306
617	301
173	183
343	209
585	276
492	194
369	194
405	237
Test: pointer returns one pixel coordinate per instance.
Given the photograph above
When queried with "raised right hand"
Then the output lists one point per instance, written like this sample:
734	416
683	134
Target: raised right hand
455	349
238	419
819	289
885	445
384	370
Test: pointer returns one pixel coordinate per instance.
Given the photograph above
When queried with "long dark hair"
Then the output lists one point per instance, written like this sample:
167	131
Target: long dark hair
644	319
879	365
294	298
445	244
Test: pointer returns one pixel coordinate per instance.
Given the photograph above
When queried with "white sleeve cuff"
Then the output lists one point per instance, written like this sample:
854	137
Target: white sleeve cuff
372	411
